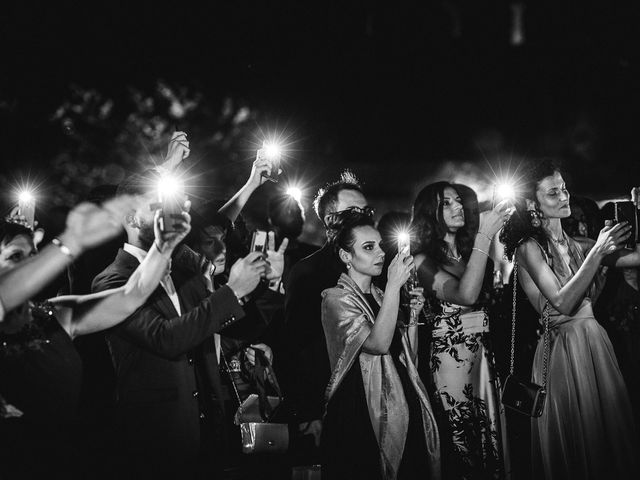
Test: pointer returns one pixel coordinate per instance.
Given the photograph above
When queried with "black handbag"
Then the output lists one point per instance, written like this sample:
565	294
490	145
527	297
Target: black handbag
259	434
523	396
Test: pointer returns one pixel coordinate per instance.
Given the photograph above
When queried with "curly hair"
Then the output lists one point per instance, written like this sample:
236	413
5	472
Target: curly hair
344	238
430	229
518	228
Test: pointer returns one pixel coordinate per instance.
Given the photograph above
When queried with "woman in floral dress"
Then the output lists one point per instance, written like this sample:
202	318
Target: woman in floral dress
451	261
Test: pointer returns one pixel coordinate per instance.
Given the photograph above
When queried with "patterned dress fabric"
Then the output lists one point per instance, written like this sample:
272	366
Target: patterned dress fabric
466	394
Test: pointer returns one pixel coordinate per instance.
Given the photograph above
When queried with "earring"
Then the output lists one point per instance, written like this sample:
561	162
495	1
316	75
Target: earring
348	265
534	218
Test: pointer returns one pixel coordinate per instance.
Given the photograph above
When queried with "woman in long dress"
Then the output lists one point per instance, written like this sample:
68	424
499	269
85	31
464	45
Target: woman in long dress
378	422
452	259
586	429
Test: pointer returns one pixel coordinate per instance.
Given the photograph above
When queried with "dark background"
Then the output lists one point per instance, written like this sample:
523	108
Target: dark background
401	92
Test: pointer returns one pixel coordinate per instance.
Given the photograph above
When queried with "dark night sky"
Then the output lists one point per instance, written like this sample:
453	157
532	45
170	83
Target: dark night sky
384	83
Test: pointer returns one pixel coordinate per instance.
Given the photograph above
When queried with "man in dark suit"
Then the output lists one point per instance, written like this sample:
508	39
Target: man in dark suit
308	361
165	354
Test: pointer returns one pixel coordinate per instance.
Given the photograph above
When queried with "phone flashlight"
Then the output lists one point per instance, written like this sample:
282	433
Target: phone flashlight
273	153
295	193
27	206
171	197
404	242
503	191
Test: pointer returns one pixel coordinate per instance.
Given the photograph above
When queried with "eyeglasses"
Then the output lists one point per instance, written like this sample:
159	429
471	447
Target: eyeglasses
336	218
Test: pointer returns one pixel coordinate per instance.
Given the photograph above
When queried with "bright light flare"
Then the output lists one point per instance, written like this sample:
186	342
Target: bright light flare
25	197
295	193
169	186
505	191
404	240
272	150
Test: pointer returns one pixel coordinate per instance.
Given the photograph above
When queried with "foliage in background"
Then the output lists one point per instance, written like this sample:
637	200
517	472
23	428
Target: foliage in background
104	137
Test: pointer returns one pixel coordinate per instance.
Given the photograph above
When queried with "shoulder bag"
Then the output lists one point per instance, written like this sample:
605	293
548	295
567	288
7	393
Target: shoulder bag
523	396
259	434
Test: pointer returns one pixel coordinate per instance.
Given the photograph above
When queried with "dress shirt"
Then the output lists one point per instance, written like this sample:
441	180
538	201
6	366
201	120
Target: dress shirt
166	282
209	270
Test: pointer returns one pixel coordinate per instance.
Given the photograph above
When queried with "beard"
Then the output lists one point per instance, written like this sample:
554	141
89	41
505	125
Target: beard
146	235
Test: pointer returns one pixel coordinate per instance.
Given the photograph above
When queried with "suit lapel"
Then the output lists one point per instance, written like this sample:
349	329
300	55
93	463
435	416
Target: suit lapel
162	301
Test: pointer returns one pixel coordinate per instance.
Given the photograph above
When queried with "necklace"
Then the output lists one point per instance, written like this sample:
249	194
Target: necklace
559	241
450	255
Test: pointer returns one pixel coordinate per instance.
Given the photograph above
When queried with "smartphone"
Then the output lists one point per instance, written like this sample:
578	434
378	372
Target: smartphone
259	241
28	210
404	242
627	212
171	207
274	155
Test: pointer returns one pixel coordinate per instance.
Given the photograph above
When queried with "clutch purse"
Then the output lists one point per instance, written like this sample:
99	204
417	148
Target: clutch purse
258	434
264	437
525	397
249	410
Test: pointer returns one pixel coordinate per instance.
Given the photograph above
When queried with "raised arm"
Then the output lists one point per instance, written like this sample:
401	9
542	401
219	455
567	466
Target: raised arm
171	337
88	225
379	340
466	289
84	314
234	206
565	299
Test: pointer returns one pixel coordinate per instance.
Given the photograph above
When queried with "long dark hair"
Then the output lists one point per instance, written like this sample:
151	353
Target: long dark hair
430	229
518	228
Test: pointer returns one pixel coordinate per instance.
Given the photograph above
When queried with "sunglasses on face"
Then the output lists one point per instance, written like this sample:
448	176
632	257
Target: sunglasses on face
336	218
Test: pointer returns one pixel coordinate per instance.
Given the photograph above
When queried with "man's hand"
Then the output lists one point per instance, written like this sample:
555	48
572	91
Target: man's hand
275	258
177	151
246	273
250	353
314	427
168	241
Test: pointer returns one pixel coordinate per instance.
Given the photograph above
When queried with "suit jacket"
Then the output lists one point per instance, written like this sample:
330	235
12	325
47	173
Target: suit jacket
165	363
308	361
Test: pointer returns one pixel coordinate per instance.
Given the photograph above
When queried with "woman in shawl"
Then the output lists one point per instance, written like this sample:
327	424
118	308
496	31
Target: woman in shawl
586	428
378	423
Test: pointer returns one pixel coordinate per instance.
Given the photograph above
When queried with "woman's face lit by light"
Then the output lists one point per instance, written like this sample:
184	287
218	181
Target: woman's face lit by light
452	209
553	197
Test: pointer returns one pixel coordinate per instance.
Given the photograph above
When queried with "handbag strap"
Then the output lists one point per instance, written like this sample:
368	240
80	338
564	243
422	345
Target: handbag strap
263	366
545	321
269	372
233	382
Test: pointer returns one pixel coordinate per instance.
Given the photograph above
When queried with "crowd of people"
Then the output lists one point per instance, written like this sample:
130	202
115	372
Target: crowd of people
392	355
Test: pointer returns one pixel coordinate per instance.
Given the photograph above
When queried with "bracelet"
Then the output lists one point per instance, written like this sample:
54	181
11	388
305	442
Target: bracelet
485	236
481	251
63	248
240	301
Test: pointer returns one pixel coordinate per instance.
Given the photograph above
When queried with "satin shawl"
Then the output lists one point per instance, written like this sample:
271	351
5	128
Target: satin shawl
347	320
